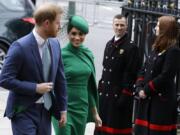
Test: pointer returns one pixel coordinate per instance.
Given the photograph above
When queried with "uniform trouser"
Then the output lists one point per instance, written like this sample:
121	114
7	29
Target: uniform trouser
35	120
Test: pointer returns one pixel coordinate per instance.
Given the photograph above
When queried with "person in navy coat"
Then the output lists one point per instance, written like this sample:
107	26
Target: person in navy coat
23	75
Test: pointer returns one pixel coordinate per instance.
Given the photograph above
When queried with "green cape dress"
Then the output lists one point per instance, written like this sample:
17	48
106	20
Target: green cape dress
81	90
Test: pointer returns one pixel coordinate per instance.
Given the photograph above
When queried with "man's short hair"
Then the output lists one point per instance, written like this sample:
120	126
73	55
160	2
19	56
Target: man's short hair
46	11
119	16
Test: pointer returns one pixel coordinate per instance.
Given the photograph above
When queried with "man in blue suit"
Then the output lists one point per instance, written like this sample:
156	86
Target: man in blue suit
23	74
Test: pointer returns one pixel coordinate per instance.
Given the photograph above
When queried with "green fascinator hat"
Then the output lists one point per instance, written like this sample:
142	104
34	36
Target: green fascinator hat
78	22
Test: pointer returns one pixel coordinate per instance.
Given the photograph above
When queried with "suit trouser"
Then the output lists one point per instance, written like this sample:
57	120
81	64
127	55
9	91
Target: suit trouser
36	120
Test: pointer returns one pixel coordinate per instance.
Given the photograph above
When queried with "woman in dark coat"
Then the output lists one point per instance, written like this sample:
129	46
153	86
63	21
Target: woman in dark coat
156	107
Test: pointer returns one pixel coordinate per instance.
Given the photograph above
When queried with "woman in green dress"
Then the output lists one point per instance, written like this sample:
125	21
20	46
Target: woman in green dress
81	83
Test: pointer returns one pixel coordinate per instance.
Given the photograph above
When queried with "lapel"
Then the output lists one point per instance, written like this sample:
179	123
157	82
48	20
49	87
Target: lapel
37	57
84	57
51	48
88	60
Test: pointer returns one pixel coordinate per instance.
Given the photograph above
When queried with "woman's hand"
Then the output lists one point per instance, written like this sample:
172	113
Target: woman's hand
142	94
98	121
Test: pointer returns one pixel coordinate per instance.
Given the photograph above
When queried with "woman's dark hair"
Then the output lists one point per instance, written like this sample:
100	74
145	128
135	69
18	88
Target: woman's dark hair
69	25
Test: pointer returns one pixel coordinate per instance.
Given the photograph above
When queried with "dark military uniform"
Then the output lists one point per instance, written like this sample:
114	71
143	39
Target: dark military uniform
156	114
120	65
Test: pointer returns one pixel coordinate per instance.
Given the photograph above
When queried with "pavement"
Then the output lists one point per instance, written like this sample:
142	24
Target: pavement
4	122
5	127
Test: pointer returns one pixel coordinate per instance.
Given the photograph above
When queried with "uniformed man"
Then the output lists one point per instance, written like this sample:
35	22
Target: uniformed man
120	65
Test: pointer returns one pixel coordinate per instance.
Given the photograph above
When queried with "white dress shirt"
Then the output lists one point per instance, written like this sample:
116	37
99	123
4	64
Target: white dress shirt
40	43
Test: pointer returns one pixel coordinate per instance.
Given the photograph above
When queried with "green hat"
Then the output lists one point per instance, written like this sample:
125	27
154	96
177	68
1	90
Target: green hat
78	22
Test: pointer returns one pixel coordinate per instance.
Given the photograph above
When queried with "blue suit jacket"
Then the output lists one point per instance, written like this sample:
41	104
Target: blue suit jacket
22	70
